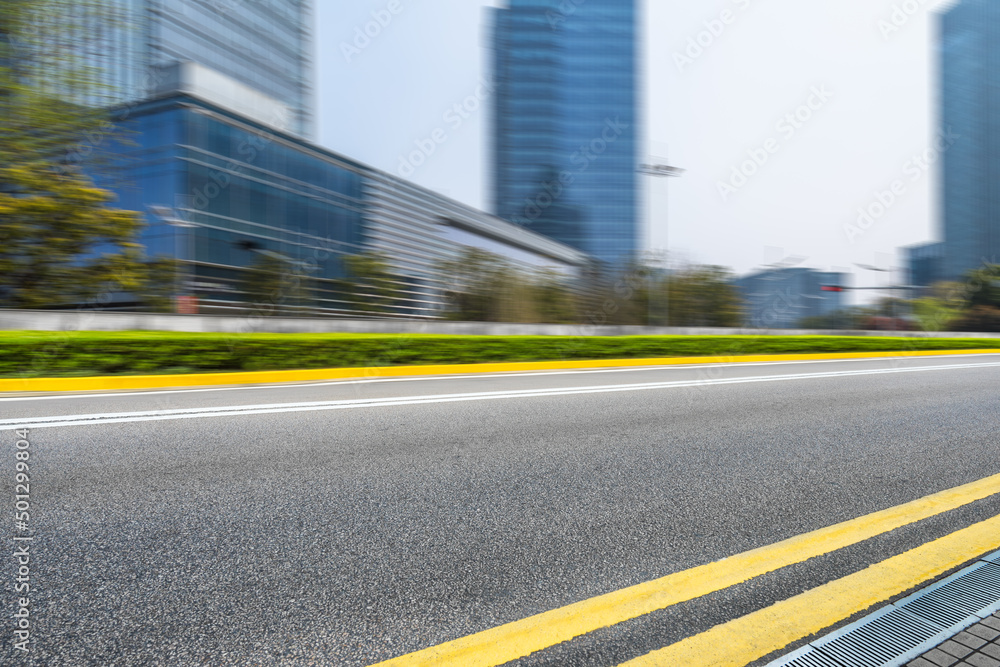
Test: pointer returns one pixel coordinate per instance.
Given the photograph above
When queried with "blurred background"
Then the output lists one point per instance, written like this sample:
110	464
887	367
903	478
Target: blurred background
758	164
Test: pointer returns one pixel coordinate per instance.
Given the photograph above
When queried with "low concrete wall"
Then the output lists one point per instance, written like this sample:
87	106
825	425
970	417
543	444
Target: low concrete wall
37	320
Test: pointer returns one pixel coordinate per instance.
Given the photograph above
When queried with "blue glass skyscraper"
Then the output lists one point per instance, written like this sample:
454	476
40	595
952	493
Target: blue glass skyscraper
970	117
265	45
566	124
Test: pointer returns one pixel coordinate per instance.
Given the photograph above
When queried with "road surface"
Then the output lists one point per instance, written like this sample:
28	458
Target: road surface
348	523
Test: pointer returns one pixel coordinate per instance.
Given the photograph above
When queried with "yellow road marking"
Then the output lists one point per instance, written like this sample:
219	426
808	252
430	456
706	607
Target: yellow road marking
754	636
124	382
520	638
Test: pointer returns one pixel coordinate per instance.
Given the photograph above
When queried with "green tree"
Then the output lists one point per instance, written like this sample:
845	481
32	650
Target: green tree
60	242
274	285
703	296
940	310
373	287
983	302
516	296
156	288
482	287
983	287
553	300
621	296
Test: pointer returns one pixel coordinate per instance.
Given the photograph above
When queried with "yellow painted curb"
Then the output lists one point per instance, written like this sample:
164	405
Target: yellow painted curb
520	638
123	382
740	642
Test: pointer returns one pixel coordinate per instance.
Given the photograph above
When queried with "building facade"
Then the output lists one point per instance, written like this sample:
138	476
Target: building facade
265	45
782	298
969	43
924	264
222	189
566	122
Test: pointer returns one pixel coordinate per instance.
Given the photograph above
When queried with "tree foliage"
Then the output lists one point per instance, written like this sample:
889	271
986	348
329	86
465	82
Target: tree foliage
274	285
60	242
473	285
983	313
553	299
373	287
481	286
703	296
940	310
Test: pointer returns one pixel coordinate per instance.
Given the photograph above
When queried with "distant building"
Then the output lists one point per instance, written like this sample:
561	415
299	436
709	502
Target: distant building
781	298
567	122
924	264
970	119
221	186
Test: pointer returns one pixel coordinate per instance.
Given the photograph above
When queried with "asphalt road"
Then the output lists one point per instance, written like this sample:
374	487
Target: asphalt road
347	523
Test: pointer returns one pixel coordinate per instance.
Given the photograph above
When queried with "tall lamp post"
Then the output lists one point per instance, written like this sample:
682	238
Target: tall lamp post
169	216
657	170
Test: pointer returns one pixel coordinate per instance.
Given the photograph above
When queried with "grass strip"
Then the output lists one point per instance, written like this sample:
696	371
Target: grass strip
76	354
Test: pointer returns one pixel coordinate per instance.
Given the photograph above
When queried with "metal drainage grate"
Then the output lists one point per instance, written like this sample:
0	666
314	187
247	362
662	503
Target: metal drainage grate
959	600
905	630
806	657
884	636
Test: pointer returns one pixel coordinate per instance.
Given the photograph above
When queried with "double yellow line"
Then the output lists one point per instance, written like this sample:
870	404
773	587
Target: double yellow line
746	639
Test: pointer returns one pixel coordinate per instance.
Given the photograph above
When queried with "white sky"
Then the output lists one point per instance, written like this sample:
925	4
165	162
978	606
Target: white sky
729	101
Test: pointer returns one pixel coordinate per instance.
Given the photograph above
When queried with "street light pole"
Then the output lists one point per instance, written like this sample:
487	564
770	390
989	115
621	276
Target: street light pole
657	170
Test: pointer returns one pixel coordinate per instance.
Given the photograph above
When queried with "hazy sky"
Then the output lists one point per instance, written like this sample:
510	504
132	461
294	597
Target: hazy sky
866	71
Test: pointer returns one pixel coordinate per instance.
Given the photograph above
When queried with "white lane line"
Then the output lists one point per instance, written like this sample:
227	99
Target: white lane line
277	408
512	374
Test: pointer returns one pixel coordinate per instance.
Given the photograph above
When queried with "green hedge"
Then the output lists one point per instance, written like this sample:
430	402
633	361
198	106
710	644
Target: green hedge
43	354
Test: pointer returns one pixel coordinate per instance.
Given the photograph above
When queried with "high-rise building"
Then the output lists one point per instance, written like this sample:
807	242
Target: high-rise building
970	114
567	125
783	298
265	45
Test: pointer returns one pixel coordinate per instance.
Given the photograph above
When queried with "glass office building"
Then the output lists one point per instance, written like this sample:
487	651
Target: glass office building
221	190
566	125
236	190
970	111
782	298
924	264
265	45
